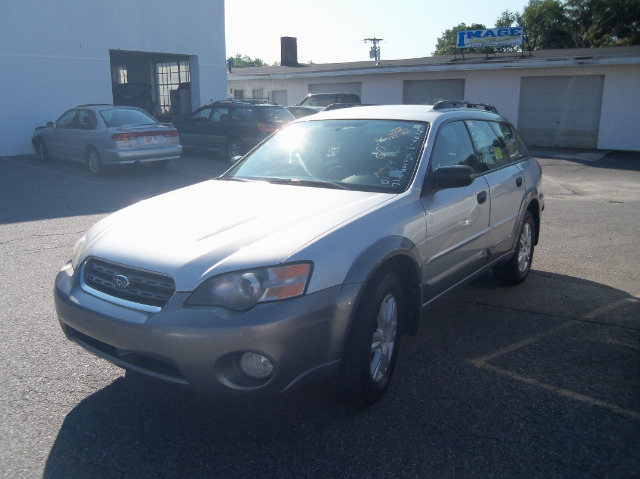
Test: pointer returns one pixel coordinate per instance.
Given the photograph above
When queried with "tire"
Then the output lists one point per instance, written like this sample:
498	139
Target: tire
373	342
42	154
516	270
94	163
160	165
235	148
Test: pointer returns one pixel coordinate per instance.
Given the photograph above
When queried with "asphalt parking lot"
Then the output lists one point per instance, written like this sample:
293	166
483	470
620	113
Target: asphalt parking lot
539	380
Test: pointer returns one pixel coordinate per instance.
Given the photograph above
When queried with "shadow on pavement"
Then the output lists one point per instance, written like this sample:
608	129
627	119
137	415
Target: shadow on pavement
485	389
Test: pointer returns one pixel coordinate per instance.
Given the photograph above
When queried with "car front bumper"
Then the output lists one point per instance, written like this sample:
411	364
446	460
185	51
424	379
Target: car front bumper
201	347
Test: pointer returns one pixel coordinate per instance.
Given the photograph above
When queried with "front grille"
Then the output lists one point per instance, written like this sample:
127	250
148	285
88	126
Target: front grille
127	283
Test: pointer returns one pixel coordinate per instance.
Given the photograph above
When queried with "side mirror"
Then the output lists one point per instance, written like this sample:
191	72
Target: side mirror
456	176
50	124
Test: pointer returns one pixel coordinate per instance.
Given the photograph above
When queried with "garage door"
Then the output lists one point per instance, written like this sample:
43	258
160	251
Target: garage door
561	111
427	92
351	87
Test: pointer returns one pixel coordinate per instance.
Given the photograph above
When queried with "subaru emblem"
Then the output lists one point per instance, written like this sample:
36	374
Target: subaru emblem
120	281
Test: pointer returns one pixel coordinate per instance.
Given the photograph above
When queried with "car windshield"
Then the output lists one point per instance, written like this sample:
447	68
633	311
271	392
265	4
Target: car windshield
126	116
365	155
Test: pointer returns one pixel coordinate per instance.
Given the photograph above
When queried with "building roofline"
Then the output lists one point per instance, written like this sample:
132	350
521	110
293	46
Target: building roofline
538	59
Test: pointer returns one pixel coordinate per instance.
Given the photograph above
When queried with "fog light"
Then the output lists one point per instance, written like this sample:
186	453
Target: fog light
256	366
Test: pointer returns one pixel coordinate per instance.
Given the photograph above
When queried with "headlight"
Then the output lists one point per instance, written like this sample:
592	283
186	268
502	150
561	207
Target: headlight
77	252
242	290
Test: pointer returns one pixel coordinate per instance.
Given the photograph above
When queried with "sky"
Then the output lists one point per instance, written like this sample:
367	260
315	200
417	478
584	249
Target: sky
332	31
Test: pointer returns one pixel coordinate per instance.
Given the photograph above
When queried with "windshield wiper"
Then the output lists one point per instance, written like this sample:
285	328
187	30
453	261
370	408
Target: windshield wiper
314	183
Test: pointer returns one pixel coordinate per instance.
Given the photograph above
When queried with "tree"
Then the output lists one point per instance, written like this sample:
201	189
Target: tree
604	23
546	25
240	61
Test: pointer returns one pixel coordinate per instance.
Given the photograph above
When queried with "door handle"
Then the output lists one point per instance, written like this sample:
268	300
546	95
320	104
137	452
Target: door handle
519	181
482	197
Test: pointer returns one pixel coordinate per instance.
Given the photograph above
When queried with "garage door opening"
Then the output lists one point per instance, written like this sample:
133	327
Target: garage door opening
562	111
159	83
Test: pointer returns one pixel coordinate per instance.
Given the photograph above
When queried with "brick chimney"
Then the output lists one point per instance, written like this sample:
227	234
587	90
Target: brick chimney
288	51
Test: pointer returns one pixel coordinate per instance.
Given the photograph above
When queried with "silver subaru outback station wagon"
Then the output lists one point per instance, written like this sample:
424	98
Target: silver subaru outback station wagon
311	255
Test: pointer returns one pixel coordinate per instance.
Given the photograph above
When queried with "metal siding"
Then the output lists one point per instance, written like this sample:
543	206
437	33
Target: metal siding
620	122
349	87
501	87
561	110
427	92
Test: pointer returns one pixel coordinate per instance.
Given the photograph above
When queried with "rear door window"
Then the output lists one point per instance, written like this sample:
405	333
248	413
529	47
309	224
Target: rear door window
242	114
202	114
220	115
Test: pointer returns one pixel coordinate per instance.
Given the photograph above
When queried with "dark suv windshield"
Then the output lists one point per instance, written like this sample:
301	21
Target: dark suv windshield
367	155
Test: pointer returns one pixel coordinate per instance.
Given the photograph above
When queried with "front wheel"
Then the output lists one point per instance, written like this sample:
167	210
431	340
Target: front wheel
41	151
516	270
373	342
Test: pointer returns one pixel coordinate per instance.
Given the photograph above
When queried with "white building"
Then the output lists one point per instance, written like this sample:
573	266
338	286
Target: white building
58	54
586	98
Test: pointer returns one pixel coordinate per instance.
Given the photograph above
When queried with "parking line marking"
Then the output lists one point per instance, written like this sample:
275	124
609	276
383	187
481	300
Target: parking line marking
561	391
483	363
48	171
525	342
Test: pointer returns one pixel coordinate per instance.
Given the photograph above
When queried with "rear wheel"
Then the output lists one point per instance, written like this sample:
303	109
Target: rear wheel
516	270
234	148
94	163
41	151
373	342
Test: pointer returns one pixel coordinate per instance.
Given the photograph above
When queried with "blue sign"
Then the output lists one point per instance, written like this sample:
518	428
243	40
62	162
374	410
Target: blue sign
495	37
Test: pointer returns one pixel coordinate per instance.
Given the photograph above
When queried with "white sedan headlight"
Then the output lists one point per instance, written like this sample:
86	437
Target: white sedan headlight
77	252
242	290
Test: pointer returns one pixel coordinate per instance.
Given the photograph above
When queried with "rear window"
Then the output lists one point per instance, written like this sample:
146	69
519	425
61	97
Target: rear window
275	114
126	116
509	136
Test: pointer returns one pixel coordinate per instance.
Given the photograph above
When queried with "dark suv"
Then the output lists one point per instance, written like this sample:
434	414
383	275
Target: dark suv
232	126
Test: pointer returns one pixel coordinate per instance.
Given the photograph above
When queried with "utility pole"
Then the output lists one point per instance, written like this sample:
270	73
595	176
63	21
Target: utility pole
375	49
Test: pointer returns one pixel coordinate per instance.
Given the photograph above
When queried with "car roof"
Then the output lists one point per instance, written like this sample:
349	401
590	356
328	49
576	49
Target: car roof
243	102
106	106
428	113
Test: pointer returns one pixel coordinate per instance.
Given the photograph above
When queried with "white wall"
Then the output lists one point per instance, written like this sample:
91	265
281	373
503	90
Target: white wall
620	120
55	54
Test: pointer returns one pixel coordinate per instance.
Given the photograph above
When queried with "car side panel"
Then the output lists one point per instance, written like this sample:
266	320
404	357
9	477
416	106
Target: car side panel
456	244
507	191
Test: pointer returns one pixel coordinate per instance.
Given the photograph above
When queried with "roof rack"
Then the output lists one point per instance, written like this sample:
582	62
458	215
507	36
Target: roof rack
95	104
442	104
255	101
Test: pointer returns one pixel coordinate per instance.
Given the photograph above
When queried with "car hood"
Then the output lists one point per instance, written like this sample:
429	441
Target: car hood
220	226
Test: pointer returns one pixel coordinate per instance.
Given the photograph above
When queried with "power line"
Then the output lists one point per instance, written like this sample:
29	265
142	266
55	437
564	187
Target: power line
375	49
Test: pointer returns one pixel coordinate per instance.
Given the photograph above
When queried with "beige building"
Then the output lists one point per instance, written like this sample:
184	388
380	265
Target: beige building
584	98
